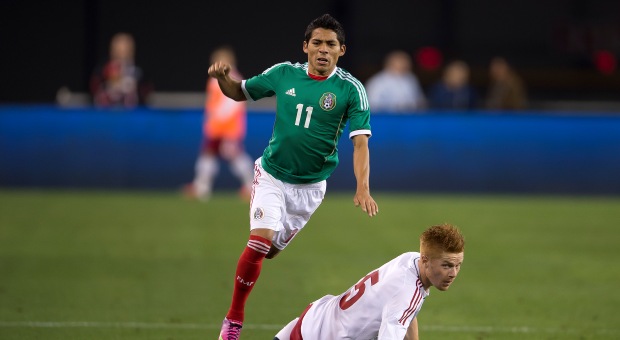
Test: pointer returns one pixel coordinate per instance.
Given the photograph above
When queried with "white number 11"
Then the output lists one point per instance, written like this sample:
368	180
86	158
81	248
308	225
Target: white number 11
300	108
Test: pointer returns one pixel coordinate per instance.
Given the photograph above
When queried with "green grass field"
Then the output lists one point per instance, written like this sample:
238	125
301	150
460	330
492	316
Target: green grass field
152	265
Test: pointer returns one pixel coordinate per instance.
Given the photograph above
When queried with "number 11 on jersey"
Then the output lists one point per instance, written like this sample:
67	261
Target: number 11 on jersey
300	109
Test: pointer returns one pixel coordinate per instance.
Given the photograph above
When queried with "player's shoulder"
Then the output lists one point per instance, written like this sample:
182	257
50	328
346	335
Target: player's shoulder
400	272
346	77
412	255
407	260
286	66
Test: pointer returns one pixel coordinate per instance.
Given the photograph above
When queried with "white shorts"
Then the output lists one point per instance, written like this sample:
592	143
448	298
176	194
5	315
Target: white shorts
282	207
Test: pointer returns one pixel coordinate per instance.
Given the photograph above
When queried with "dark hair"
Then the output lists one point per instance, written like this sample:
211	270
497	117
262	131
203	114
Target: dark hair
328	22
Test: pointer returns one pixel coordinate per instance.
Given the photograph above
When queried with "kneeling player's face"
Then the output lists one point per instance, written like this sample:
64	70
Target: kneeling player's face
443	269
323	51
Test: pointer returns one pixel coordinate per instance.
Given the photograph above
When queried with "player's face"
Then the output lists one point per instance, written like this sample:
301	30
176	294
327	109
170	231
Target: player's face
323	51
442	270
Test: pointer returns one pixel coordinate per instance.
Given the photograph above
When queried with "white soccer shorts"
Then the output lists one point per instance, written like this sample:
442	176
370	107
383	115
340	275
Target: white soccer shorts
282	207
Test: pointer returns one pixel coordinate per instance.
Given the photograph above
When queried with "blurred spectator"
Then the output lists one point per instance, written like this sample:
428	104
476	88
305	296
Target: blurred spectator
506	89
119	82
454	91
395	88
223	135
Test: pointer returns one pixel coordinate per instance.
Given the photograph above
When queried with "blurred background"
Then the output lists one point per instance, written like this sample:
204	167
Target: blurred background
565	50
559	132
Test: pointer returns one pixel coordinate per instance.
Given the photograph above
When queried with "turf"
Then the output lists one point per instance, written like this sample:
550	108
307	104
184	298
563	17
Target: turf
152	265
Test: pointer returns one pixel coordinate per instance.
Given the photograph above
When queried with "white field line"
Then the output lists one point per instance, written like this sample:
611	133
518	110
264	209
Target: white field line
197	326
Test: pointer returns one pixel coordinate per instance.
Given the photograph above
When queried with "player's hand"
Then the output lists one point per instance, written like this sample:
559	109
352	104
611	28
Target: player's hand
219	70
363	200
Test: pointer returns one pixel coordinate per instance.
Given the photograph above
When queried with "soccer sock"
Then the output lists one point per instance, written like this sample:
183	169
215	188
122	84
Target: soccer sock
207	168
243	167
248	270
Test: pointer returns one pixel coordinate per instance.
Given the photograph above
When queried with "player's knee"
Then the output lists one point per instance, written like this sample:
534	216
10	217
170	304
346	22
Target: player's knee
273	252
229	149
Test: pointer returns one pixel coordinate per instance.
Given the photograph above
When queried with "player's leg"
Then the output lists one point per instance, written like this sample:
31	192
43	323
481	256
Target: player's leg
302	200
285	333
240	164
207	167
265	214
248	270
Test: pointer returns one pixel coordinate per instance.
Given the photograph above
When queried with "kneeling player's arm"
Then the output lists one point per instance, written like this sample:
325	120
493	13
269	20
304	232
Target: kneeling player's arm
412	331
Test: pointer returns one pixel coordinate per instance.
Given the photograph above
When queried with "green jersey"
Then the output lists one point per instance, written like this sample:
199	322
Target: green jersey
310	118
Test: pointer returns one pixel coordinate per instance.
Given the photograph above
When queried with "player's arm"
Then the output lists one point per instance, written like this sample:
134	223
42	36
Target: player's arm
391	329
412	331
230	87
361	169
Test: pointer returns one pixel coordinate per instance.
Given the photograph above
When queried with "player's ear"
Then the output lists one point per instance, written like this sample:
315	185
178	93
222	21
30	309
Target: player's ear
343	49
305	47
424	259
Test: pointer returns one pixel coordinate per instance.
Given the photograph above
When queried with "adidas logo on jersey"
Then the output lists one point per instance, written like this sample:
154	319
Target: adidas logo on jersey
291	92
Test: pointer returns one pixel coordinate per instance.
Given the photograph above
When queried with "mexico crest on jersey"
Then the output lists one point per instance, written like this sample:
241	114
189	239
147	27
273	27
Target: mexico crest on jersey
328	101
258	213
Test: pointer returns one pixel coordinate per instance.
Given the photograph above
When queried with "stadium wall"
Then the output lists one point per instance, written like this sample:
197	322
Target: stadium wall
519	152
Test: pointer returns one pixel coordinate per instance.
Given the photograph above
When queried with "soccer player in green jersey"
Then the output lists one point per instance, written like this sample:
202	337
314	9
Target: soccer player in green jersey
315	100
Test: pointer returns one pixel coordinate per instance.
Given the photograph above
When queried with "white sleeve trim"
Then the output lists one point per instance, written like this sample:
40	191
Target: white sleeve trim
245	92
359	132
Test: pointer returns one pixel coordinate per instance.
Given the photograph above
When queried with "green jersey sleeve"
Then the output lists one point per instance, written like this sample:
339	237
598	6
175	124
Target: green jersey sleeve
358	108
264	84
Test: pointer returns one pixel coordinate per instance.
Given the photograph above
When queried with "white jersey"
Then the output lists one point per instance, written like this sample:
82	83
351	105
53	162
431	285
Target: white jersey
380	306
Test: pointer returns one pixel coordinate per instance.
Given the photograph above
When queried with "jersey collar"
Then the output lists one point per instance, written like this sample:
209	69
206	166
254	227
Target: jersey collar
321	78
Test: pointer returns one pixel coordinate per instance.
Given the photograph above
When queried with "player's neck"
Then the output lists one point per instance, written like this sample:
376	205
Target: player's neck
426	283
316	77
